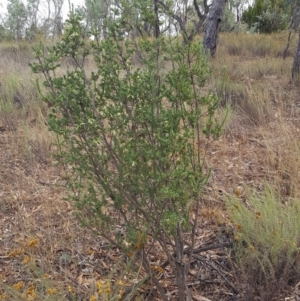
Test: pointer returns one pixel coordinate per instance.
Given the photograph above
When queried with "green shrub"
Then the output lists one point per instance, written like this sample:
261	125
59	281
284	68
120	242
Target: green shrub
132	137
267	16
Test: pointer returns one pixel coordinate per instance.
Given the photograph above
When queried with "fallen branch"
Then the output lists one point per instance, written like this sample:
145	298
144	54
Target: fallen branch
203	260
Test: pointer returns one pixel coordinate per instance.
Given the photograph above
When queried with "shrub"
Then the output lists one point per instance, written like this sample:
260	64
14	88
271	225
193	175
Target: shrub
133	137
267	16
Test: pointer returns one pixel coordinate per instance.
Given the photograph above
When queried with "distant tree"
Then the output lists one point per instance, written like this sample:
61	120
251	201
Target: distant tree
95	14
187	16
237	7
33	16
197	14
52	21
232	14
57	17
16	21
229	19
3	33
98	13
267	16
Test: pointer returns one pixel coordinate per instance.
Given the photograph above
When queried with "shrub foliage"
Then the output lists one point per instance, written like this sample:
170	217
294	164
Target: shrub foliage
132	130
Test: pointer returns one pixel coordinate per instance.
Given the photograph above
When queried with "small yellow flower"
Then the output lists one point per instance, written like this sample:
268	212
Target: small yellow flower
121	283
120	295
3	296
18	286
238	226
99	285
251	248
26	259
32	242
16	253
238	191
30	293
51	291
156	268
70	289
237	237
107	290
93	298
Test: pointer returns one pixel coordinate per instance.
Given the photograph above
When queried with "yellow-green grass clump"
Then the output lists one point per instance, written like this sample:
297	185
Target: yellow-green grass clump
266	236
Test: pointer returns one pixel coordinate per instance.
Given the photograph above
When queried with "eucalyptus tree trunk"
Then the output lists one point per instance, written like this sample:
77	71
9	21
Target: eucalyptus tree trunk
295	21
156	24
296	64
57	18
215	16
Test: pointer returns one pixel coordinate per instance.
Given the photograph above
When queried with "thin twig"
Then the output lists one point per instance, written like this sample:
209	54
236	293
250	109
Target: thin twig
218	271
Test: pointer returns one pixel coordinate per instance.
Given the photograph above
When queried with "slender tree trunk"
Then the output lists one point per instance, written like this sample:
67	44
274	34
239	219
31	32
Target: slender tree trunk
296	64
106	6
211	29
156	25
237	14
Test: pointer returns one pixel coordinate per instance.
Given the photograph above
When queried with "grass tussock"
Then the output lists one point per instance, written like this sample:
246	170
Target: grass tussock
247	45
15	56
266	235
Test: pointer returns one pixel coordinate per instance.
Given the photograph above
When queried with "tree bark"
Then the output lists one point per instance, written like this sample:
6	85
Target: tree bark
296	64
156	25
215	15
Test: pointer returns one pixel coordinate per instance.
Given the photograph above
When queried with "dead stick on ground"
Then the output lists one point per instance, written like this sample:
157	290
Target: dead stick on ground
218	271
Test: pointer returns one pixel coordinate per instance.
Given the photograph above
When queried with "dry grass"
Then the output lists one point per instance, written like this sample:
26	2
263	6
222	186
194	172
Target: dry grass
42	243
